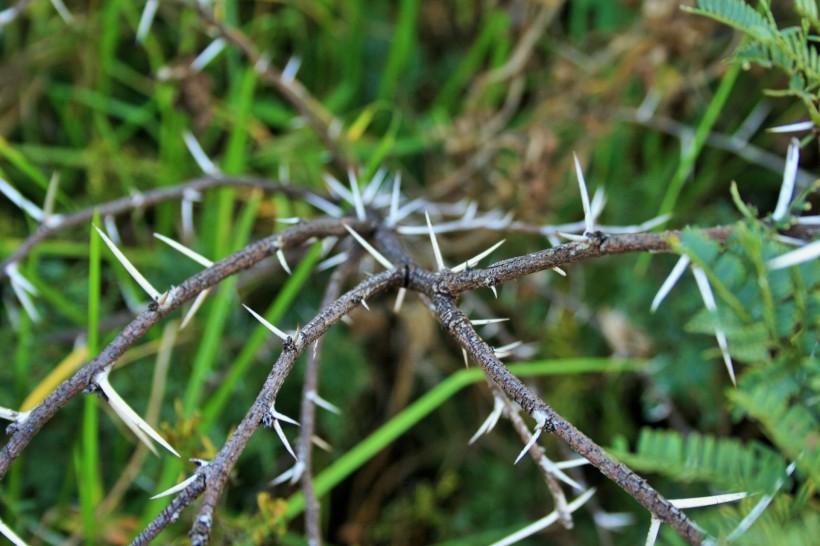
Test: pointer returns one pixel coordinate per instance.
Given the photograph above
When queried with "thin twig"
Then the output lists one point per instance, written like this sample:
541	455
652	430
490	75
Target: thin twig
307	416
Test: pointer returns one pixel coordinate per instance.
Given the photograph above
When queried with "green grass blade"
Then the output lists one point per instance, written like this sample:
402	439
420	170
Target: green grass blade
687	163
404	36
90	481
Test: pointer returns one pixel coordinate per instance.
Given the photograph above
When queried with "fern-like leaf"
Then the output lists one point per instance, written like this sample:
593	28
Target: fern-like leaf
792	427
723	463
738	15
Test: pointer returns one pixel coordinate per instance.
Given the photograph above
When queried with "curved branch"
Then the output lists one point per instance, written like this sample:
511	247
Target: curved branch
141	200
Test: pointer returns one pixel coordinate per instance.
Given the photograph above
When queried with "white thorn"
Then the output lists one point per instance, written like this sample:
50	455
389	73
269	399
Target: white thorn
614	521
280	255
63	11
477	258
131	419
556	471
314	397
573	237
699	502
327	245
572	463
279	432
282	417
482	322
803	254
111	229
470	211
589	221
262	63
135	274
506	350
759	508
289	220
293	474
369	248
364	304
200	298
14	416
491	420
337	188
13	272
638	228
22	203
358	202
279	333
408	209
544	522
671	280
466	360
291	68
177	488
809	221
434	242
399	299
324	205
179	247
146	19
373	186
25	301
333	261
495	292
789	178
598	203
560	271
208	54
199	155
321	444
392	217
51	195
792	127
539	427
709	301
4	529
654	528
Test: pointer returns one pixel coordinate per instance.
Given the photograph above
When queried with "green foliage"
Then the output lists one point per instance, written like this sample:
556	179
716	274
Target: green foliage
723	463
792	49
770	320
